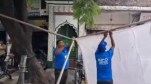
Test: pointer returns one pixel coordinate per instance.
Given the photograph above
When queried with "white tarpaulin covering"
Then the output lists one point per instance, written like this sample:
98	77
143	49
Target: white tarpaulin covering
131	63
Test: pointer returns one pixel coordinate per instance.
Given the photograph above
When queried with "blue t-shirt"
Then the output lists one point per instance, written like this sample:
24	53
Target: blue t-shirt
60	59
104	66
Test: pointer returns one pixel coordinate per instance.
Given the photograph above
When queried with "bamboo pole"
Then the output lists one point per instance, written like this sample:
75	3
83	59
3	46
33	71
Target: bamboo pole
33	26
62	70
39	28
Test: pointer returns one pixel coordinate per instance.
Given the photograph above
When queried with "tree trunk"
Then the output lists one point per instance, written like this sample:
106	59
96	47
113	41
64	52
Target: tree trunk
21	37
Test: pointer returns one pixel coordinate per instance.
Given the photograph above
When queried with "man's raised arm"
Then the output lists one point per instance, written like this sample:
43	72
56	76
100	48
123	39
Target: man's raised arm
112	40
105	35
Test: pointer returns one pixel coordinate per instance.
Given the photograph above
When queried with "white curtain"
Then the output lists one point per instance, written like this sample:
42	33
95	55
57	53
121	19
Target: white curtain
131	63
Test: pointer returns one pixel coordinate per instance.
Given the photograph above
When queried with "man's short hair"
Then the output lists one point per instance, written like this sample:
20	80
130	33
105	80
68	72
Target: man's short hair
58	41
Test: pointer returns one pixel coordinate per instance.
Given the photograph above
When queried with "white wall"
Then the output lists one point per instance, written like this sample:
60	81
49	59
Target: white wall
145	16
59	19
117	18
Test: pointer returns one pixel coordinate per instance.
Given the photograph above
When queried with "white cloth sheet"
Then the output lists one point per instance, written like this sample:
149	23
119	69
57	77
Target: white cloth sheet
131	63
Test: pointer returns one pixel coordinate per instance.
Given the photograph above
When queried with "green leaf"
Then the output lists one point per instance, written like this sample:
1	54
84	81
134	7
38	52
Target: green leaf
85	11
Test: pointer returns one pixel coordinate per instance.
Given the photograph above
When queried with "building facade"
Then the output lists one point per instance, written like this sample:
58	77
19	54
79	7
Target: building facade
61	21
57	16
60	14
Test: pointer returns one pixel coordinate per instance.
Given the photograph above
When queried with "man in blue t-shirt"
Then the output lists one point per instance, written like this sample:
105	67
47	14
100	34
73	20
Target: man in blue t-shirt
104	61
60	54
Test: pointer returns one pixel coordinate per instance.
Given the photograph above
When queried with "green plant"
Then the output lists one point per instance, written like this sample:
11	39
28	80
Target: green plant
30	2
85	11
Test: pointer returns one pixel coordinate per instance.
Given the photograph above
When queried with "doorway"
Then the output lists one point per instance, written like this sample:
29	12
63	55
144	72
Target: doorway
68	31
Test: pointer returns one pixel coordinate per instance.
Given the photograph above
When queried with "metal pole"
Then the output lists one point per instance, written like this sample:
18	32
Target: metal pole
22	69
33	26
62	70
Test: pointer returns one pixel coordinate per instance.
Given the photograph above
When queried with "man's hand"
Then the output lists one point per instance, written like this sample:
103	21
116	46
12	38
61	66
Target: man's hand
58	52
105	34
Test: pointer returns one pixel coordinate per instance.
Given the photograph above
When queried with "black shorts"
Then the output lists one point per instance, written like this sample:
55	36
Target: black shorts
105	82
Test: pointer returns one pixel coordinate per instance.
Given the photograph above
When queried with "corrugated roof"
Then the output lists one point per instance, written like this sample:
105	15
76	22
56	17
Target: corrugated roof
140	3
104	27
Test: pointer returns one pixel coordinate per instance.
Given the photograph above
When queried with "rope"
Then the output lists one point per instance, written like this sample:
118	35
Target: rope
33	26
36	27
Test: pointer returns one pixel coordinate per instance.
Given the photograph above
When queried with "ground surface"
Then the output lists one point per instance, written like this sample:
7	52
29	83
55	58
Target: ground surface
15	75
